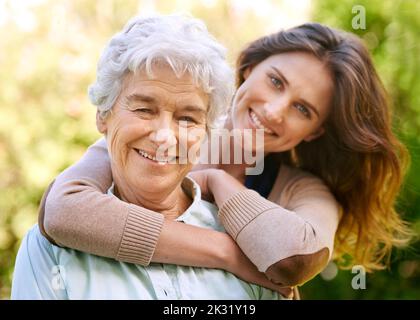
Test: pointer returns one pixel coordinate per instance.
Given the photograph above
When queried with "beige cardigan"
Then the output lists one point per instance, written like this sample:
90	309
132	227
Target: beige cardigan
293	230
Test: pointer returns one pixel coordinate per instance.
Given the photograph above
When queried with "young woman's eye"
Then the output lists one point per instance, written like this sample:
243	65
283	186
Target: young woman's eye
304	110
276	82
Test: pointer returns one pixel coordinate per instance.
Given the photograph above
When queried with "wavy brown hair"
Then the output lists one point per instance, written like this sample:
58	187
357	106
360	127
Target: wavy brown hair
358	157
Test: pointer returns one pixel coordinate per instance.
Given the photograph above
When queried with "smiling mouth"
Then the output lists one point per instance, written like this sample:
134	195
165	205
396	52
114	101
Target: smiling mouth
257	123
161	161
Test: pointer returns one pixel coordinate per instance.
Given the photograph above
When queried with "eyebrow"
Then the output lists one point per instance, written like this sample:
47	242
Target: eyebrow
284	79
193	108
141	97
152	100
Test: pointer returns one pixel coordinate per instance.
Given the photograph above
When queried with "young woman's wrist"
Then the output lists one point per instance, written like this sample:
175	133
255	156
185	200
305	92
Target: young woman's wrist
214	178
222	186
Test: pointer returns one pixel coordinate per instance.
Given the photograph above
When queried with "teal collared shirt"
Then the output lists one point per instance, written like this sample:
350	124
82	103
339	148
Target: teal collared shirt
45	271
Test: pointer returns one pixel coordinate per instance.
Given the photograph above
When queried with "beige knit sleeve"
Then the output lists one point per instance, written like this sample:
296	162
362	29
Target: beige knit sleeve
80	215
301	221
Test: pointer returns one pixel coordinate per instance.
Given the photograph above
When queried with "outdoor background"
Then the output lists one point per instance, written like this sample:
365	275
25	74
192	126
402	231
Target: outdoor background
48	55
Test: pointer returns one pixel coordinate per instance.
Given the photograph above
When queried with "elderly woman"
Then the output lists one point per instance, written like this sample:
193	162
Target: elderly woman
160	89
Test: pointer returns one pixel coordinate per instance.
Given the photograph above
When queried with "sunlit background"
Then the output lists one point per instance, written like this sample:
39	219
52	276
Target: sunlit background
48	55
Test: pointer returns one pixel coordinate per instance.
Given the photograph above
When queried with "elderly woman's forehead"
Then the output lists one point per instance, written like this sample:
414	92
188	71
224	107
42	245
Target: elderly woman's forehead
162	72
164	85
165	78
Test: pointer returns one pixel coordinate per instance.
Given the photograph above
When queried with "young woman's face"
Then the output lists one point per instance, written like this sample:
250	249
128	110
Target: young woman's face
288	95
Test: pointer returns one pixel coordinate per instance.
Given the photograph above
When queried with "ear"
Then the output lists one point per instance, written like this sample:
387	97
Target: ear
319	132
101	123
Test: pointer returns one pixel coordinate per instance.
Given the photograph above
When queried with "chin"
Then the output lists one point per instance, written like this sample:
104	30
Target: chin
157	183
283	148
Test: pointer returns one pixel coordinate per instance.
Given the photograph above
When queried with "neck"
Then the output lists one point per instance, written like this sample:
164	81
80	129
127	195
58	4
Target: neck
171	203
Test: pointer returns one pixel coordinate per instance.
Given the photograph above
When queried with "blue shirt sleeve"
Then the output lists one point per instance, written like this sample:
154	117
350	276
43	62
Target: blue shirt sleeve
37	274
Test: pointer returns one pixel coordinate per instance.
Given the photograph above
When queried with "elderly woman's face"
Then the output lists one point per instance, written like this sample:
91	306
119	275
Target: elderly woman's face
288	95
148	116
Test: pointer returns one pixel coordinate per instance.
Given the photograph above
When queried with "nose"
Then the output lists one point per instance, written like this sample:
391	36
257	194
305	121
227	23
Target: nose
162	132
275	111
163	136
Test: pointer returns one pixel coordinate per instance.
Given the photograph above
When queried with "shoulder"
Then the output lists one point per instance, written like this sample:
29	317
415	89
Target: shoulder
292	178
34	269
297	186
36	243
35	255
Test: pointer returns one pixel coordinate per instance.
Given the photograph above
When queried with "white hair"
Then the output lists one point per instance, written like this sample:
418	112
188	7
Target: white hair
180	41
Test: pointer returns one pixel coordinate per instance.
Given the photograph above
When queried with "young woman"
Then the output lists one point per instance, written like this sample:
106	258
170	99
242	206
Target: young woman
332	172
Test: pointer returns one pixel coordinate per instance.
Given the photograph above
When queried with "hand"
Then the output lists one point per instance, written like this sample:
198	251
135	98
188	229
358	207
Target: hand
223	186
202	177
239	264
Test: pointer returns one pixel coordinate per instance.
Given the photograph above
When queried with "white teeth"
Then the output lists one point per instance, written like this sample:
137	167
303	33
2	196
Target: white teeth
258	123
148	156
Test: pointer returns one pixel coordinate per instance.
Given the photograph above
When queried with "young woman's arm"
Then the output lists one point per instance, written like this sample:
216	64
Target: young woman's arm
76	212
290	240
79	214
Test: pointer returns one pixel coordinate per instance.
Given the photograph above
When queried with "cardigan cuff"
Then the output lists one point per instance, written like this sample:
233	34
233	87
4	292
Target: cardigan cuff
243	207
140	236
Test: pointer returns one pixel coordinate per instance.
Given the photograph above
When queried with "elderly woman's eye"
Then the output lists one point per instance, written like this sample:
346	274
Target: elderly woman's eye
144	110
187	119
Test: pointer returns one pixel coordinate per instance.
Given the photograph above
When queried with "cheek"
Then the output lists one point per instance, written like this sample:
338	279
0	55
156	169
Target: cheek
240	92
242	98
193	142
296	130
120	138
240	111
117	138
196	135
128	131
